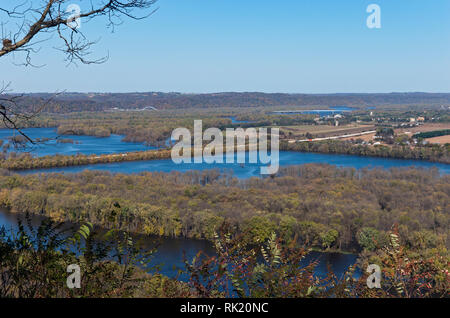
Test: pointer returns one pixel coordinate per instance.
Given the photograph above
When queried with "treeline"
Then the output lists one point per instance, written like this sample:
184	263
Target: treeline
22	161
75	102
431	134
429	152
147	127
156	129
326	207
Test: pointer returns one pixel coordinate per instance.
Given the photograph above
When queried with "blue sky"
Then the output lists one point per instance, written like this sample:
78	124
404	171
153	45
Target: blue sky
297	46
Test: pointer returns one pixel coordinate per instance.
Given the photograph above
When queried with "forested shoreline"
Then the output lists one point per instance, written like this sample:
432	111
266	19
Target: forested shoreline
432	152
327	207
27	161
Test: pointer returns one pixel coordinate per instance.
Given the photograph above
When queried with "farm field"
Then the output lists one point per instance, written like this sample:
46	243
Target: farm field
423	128
367	138
324	130
426	128
439	140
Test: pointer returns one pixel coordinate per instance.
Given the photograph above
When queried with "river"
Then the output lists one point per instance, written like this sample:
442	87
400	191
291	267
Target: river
248	170
113	144
333	110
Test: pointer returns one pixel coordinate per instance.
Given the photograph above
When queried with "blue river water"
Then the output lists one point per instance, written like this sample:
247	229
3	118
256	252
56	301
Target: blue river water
235	121
113	144
333	110
248	170
82	144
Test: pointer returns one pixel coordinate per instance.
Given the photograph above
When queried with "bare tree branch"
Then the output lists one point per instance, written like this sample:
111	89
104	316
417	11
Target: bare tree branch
23	21
39	17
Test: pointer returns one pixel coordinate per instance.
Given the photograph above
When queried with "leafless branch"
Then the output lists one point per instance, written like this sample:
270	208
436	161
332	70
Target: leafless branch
34	17
25	24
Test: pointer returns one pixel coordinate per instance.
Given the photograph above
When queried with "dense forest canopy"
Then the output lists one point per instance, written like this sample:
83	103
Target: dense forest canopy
70	102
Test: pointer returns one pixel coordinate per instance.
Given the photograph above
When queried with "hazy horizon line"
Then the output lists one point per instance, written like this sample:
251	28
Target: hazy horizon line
224	92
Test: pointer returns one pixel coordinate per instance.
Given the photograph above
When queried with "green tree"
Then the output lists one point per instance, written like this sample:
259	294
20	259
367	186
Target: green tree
329	238
368	238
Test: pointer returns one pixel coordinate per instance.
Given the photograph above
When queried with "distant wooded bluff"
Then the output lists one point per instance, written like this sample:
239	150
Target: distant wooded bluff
74	102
